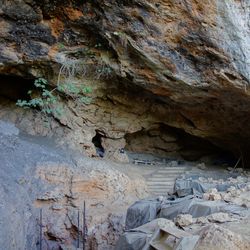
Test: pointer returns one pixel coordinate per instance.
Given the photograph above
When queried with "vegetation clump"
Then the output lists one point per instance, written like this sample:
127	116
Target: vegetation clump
47	100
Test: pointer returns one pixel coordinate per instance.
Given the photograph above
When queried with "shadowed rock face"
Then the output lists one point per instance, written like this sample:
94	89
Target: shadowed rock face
36	174
190	60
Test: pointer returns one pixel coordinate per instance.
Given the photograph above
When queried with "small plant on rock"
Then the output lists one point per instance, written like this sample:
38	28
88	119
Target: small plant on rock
77	93
48	101
43	98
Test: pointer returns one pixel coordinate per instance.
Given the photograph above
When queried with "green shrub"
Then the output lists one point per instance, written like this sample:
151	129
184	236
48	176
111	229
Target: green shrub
48	101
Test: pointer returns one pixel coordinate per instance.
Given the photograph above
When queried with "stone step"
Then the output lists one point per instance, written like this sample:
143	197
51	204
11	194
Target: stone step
163	178
161	175
151	184
166	179
161	182
161	189
173	169
169	172
165	174
161	185
165	191
162	193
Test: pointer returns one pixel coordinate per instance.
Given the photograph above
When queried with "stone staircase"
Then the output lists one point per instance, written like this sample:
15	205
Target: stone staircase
162	180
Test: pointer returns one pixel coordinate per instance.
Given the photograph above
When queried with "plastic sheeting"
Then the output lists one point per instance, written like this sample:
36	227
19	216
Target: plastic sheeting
197	208
142	212
132	241
156	233
142	216
191	184
139	238
145	211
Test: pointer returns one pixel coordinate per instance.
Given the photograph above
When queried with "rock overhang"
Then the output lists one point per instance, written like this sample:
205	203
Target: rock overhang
184	58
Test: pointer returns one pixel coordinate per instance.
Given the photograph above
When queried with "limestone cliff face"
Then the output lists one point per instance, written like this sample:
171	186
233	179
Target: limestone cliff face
178	63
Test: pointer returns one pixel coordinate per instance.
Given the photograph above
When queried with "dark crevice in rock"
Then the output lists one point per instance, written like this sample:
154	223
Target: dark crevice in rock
189	122
14	87
97	141
74	232
51	237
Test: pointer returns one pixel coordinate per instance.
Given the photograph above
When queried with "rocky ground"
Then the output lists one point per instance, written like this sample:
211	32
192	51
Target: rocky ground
211	206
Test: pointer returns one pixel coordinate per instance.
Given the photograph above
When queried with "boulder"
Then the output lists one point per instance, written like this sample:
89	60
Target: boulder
183	220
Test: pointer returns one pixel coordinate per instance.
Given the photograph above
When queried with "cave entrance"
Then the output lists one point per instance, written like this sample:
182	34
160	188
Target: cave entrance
97	141
14	87
168	143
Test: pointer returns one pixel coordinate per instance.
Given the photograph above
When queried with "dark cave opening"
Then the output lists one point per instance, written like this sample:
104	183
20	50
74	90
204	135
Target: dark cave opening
172	143
15	87
97	141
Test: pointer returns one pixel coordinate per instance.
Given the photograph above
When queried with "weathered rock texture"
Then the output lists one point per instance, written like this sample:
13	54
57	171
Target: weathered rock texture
36	176
183	64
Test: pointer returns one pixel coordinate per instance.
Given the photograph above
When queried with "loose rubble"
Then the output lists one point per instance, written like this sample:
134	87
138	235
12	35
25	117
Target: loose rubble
209	207
183	220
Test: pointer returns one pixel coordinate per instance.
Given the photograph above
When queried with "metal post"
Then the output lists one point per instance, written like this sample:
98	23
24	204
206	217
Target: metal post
84	233
41	228
78	229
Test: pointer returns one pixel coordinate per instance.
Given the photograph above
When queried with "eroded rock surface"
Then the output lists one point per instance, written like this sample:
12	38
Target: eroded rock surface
38	177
